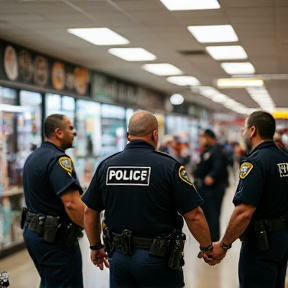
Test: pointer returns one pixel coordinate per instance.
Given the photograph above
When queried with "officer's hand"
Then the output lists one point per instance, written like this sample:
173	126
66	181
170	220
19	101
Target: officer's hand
209	260
218	252
208	181
99	258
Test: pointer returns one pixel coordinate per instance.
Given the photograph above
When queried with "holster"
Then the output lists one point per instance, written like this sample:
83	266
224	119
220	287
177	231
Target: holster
261	241
126	247
23	217
176	258
52	224
107	239
73	232
161	246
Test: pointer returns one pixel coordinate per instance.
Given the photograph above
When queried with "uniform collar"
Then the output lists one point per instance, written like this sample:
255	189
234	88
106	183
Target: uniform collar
263	145
50	144
139	144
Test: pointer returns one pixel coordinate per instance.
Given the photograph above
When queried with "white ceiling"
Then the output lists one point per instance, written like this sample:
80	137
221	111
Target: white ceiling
261	25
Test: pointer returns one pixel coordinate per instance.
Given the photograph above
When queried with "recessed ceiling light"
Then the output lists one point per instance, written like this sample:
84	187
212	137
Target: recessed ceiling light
191	4
99	36
183	80
176	99
227	52
132	54
239	82
238	68
162	69
213	33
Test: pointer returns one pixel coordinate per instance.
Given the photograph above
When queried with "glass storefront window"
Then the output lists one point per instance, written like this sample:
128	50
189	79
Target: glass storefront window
20	133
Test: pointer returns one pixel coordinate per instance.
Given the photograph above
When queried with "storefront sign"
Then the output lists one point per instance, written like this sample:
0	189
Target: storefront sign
24	66
109	90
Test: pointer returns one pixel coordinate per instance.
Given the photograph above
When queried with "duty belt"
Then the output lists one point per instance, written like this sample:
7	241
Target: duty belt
137	242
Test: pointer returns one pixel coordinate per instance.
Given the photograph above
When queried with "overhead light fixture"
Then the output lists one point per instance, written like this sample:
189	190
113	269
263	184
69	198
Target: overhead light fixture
99	36
262	98
220	98
239	82
162	69
238	68
183	80
191	4
213	33
227	52
132	54
176	99
206	91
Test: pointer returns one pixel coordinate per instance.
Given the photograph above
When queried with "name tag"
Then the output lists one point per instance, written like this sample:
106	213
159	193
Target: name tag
128	175
283	169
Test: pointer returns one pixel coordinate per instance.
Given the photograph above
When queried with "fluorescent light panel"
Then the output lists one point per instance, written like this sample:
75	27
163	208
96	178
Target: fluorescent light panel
99	36
213	33
227	52
132	54
239	82
162	69
190	4
238	68
183	80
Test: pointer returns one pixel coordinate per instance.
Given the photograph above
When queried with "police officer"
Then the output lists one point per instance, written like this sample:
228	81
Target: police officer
261	211
142	191
55	210
211	179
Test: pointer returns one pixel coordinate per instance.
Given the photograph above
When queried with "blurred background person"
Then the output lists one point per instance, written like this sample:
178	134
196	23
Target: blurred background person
166	144
211	179
279	141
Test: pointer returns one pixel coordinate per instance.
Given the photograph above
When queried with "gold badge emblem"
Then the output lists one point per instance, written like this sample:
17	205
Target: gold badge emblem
67	164
245	169
183	176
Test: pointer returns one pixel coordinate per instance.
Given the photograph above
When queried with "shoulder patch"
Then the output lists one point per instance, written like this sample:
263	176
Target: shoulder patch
67	164
183	176
245	169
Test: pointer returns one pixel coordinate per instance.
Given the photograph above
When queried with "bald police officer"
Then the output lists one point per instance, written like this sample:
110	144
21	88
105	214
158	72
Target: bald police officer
261	211
142	192
55	210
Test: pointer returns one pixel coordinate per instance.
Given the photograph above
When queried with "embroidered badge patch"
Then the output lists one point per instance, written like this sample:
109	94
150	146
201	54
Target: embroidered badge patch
183	176
67	164
245	169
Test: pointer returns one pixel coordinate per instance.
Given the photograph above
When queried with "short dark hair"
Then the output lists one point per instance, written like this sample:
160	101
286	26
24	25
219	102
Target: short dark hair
51	123
264	123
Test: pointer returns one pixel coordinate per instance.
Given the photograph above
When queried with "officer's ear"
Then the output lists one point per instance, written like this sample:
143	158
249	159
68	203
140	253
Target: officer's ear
58	133
155	136
253	131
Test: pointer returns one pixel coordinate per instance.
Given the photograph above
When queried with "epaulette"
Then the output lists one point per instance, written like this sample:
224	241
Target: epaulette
165	154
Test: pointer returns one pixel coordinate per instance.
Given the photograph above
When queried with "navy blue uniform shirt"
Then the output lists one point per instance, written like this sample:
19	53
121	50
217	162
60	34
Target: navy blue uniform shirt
264	182
213	163
141	190
48	172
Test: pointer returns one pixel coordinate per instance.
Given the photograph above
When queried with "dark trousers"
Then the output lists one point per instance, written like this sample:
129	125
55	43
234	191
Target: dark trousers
213	197
265	269
142	271
57	265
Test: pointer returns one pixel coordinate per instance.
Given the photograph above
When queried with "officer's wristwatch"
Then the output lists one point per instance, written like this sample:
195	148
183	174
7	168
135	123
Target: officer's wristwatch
209	248
225	246
96	247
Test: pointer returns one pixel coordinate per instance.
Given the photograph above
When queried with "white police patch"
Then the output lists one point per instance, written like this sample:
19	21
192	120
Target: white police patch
283	169
128	175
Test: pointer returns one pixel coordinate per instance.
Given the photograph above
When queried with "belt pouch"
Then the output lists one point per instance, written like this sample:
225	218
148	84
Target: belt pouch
50	228
176	259
261	236
23	217
159	247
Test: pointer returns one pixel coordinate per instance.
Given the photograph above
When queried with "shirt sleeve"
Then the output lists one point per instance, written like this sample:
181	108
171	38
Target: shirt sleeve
93	196
251	184
185	194
61	175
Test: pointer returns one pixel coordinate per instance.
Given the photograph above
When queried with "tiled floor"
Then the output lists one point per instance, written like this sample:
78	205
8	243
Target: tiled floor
198	274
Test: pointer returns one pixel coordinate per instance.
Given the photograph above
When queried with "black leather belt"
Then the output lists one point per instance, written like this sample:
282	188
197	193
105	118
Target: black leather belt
276	224
138	242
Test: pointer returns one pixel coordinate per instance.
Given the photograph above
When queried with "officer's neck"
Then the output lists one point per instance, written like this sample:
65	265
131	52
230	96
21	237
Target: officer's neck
147	139
55	141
